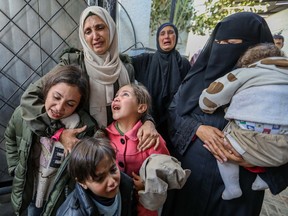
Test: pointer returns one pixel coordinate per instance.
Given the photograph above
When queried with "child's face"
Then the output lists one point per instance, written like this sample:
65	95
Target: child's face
107	183
62	100
125	104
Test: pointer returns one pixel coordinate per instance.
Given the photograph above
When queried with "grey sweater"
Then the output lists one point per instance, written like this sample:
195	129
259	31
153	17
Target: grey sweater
256	94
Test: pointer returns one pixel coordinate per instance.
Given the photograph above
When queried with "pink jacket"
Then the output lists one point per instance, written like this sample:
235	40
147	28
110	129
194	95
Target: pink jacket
128	158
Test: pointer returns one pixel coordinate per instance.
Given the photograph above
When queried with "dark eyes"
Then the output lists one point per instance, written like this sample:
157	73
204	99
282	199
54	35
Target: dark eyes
169	32
114	169
99	179
122	94
229	41
57	97
69	103
99	27
87	32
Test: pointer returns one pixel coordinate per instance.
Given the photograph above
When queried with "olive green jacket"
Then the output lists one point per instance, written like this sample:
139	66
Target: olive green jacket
43	126
19	142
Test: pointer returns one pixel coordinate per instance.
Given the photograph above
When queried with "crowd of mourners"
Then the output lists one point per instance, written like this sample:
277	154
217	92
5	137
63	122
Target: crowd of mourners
104	133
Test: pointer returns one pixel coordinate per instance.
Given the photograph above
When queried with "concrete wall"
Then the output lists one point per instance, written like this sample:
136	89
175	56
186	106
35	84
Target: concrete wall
139	12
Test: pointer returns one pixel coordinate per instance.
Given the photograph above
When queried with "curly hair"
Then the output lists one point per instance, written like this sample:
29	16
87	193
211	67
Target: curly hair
258	52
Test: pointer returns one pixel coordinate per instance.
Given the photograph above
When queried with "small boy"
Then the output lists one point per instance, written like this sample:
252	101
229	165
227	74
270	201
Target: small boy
100	187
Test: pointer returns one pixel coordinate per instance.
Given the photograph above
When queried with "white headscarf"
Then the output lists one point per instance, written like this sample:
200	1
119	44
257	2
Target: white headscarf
103	70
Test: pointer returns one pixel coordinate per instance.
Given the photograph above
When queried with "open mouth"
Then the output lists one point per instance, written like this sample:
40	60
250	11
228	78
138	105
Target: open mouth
56	114
116	107
98	44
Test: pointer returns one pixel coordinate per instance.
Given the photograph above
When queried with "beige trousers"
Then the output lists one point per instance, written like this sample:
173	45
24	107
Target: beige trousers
258	149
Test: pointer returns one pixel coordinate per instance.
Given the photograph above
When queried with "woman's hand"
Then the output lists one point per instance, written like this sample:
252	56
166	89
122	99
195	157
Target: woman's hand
218	150
205	132
69	138
138	182
148	136
223	151
214	137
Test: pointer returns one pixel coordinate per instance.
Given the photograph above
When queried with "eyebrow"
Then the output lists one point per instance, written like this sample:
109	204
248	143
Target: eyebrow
99	174
169	30
69	100
125	91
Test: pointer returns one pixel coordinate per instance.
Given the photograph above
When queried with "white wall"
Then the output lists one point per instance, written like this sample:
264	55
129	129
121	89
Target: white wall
194	43
139	12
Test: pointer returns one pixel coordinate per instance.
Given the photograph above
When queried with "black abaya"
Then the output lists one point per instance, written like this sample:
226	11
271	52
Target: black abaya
161	73
201	194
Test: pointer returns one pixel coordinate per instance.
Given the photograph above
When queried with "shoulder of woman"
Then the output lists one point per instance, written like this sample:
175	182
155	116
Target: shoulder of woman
71	56
125	58
87	119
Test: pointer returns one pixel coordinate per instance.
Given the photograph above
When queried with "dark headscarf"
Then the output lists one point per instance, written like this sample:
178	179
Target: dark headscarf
158	33
217	60
162	73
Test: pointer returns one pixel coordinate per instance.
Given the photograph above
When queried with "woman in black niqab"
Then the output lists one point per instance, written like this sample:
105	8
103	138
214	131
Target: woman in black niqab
161	73
202	192
218	59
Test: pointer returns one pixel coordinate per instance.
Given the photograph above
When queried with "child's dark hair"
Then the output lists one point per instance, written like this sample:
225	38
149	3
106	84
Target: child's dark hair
70	75
86	156
258	52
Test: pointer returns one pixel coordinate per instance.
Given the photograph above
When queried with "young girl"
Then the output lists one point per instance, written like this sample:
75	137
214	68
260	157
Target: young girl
257	114
101	189
38	164
130	103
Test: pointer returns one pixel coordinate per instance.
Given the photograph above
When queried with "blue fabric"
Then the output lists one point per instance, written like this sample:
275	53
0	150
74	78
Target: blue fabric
33	210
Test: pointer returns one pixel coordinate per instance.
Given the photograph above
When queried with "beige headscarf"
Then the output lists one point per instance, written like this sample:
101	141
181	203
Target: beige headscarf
103	70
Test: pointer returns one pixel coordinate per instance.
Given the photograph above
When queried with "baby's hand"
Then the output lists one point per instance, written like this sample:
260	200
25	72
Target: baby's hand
138	183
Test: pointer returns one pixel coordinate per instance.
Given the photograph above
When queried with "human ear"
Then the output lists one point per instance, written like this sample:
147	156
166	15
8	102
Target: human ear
83	185
142	108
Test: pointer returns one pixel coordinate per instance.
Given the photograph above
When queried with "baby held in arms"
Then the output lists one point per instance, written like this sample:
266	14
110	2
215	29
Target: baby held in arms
257	113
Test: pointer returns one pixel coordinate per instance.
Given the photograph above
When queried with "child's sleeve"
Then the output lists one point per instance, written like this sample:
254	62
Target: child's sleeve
219	93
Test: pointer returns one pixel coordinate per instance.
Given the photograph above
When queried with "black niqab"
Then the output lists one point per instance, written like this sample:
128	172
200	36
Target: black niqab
217	60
